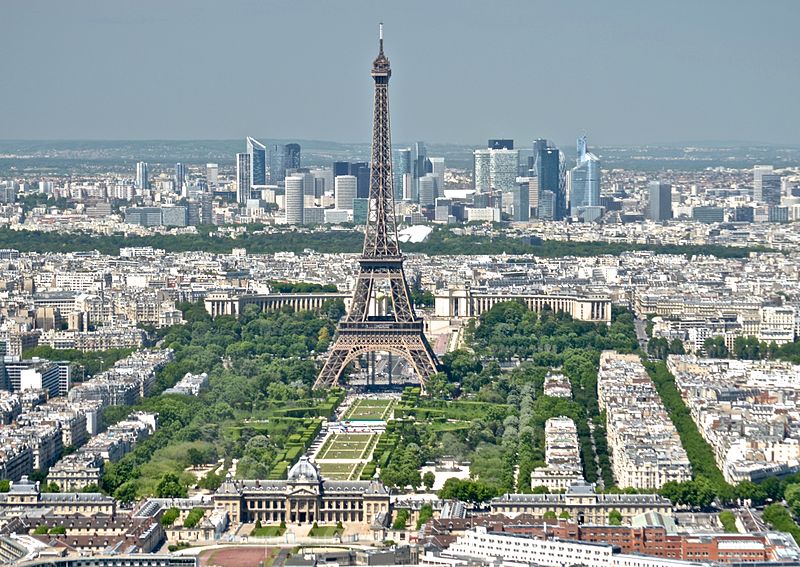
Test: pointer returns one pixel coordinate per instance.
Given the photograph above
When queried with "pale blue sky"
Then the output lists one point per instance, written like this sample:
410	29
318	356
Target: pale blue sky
626	72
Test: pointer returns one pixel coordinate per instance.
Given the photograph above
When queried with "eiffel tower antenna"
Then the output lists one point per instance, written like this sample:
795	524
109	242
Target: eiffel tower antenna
399	332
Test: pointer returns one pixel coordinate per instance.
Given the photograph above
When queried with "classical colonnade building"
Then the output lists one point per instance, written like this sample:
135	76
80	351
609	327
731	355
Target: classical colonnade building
224	303
459	302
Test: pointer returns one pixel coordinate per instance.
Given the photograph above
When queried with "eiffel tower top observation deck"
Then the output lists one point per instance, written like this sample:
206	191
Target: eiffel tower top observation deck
380	238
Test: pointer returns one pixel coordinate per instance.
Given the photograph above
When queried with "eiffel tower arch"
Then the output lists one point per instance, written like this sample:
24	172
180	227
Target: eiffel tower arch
400	331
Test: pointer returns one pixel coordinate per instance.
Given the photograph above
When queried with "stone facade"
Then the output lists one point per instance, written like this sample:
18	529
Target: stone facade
304	498
582	504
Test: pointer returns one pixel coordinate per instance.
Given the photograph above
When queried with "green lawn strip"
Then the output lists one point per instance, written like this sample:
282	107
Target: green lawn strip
369	410
337	471
324	531
357	470
728	521
268	531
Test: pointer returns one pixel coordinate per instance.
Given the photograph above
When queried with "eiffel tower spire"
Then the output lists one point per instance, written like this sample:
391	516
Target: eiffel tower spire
381	233
400	331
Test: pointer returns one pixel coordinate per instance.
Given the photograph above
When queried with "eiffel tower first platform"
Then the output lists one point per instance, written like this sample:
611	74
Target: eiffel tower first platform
381	267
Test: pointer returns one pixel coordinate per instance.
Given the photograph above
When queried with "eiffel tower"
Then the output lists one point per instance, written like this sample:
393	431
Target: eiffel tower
381	263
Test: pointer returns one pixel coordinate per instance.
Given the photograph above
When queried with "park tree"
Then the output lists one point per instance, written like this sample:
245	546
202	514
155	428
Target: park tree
749	490
428	479
438	387
715	347
126	493
170	487
467	490
792	496
196	456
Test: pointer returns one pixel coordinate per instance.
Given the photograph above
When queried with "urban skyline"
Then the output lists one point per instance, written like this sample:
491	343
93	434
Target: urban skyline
269	353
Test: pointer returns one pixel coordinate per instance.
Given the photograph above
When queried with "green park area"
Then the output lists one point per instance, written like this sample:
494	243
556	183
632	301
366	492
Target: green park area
340	471
260	408
370	410
348	446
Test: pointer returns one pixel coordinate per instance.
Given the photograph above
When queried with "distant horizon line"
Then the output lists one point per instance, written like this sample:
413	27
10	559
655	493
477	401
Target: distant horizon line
675	144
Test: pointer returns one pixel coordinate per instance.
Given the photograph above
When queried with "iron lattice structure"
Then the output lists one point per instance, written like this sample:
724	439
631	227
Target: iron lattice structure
381	267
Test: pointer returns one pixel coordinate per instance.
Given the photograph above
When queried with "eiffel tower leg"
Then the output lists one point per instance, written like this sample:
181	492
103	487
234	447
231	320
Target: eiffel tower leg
419	354
334	366
414	348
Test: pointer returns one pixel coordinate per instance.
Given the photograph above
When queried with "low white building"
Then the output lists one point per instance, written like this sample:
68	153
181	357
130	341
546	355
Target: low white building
514	550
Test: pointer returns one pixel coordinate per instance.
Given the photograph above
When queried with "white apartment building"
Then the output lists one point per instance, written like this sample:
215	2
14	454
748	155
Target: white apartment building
562	455
645	447
510	549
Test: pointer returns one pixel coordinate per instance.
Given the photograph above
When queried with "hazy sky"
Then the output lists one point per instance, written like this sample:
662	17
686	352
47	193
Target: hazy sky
625	72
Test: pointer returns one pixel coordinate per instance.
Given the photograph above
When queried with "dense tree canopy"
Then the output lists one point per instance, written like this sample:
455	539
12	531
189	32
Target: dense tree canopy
258	365
441	242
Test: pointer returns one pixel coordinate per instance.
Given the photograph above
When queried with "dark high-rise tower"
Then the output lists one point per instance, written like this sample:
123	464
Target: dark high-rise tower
361	172
399	331
548	174
291	156
500	144
275	164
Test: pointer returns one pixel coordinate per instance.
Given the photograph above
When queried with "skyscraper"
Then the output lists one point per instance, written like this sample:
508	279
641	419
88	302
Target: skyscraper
212	176
503	169
276	172
482	170
496	168
142	179
401	168
420	166
294	199
309	189
437	168
420	160
584	186
291	156
500	144
341	168
539	146
345	191
427	189
547	167
361	172
258	162
766	185
659	207
242	178
180	177
581	149
521	203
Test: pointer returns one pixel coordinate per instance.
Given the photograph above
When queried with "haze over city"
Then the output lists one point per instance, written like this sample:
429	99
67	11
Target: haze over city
626	72
493	284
